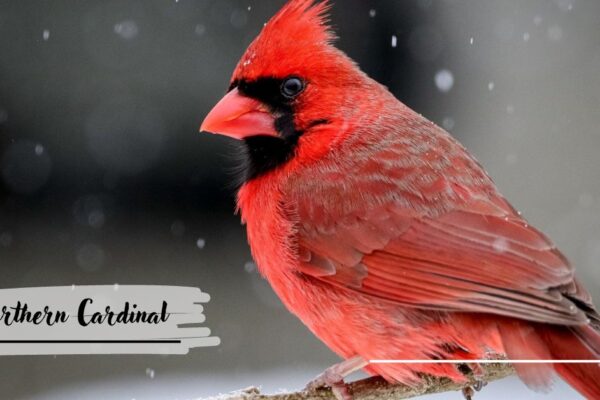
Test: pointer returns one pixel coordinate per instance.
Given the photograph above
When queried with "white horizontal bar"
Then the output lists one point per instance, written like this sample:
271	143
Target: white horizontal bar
485	362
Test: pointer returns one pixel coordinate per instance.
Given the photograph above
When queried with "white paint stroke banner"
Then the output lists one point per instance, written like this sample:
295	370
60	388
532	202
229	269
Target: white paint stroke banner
111	319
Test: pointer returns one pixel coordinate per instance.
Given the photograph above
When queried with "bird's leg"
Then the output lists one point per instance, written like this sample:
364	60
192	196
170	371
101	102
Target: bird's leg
477	371
334	377
469	391
478	374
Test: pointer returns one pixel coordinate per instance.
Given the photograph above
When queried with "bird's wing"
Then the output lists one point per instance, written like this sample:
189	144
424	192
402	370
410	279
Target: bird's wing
460	261
473	253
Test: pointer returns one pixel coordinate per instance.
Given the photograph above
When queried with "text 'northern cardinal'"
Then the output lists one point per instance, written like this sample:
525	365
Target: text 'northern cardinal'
381	232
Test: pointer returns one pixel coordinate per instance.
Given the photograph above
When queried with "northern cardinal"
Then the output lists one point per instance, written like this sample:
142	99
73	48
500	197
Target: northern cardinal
381	232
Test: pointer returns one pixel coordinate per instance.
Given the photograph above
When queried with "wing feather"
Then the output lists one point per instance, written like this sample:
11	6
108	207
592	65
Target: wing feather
419	223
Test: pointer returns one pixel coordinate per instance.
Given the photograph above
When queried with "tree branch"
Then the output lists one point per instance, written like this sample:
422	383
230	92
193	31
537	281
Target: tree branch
377	389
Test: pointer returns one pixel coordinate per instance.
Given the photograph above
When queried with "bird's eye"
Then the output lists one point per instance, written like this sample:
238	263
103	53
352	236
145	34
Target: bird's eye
292	87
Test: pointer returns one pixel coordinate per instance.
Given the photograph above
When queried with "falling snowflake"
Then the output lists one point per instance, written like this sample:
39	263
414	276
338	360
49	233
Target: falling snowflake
444	80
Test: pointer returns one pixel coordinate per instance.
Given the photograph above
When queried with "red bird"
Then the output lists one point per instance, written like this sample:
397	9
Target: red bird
381	232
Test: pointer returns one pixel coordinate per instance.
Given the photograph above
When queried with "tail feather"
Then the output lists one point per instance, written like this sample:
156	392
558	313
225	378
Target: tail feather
525	341
581	343
590	337
522	342
582	378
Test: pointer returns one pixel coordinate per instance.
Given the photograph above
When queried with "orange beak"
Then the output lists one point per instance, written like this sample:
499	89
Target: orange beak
239	117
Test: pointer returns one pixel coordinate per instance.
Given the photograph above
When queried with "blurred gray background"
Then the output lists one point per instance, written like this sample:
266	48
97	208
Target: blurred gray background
104	178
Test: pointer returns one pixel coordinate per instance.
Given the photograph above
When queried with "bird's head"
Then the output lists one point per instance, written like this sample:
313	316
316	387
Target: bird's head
289	84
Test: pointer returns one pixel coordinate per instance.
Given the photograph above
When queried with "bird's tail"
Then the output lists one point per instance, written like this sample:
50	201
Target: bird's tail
581	343
525	341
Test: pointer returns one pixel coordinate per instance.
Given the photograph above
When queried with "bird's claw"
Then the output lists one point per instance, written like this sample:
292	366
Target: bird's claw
469	391
332	380
333	377
480	384
327	378
476	373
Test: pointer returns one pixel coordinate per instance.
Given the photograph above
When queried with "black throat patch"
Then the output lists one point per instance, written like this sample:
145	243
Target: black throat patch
261	154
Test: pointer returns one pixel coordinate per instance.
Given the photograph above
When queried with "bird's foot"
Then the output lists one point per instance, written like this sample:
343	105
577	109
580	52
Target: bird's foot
333	377
469	391
477	373
338	388
479	385
325	379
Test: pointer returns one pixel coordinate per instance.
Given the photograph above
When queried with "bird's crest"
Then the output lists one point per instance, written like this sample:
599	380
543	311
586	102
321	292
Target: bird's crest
307	18
300	28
